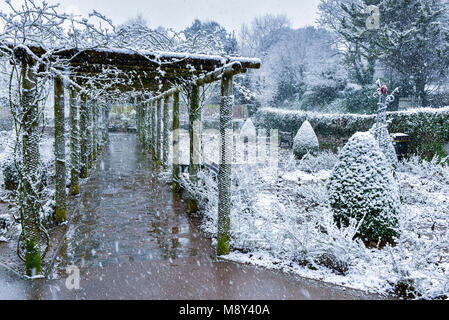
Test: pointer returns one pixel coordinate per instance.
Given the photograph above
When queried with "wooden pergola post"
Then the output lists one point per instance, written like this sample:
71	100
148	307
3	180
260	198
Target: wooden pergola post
89	134
30	158
149	128
136	108
143	125
74	143
153	129
175	142
166	133
60	188
100	138
224	171
195	141
142	121
140	112
94	130
84	134
158	133
98	126
106	122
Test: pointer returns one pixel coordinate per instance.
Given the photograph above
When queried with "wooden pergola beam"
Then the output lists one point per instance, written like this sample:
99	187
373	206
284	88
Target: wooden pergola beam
230	69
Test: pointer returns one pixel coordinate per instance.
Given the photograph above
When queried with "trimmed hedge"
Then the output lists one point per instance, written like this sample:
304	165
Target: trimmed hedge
428	128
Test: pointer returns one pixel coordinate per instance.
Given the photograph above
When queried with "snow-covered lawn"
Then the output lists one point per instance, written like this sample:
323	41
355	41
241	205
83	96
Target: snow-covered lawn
282	220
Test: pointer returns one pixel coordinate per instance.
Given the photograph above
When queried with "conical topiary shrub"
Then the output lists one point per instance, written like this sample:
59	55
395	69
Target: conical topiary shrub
305	141
361	186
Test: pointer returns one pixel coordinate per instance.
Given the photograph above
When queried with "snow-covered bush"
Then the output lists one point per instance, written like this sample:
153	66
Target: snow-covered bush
362	187
305	141
5	225
324	160
10	174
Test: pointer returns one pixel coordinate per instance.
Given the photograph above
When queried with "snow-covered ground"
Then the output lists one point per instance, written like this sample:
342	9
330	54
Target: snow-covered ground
282	220
8	225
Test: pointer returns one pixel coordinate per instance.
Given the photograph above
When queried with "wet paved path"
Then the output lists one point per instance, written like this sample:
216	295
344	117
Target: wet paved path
132	239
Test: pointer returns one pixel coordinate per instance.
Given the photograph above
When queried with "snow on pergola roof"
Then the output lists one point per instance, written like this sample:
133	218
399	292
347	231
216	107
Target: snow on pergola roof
151	71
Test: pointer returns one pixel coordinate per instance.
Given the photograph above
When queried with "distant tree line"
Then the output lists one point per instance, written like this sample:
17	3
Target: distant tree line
334	67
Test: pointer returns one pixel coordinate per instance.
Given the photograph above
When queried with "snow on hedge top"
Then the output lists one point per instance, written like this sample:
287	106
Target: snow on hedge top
312	114
305	140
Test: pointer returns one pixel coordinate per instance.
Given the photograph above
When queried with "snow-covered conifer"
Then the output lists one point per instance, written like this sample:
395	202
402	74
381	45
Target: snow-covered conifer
362	187
305	141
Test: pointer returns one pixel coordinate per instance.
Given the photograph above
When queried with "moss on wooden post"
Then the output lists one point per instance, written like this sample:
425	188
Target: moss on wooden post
166	133
175	142
158	133
84	156
60	186
74	143
30	157
224	171
195	141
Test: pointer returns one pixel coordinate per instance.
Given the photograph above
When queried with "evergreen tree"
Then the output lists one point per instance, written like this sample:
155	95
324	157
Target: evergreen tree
411	43
414	43
362	187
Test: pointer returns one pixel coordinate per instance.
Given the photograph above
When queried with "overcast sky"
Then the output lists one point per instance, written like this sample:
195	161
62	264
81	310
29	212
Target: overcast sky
178	14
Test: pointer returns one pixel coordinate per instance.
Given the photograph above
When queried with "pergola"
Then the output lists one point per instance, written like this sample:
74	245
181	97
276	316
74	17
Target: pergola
158	76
